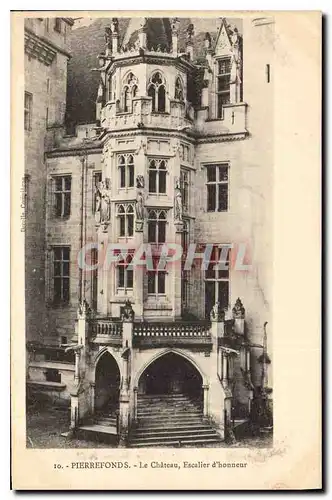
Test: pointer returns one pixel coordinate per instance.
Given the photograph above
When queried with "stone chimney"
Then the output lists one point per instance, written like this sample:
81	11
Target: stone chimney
142	34
115	35
189	42
175	34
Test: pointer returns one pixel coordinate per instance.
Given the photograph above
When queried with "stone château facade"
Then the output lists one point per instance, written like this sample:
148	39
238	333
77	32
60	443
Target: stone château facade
180	153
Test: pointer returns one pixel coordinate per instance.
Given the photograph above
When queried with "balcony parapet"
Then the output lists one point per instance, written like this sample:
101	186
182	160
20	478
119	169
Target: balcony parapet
177	333
106	331
232	123
142	116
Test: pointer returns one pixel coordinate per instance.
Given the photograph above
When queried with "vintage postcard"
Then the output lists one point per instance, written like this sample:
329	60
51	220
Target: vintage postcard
165	202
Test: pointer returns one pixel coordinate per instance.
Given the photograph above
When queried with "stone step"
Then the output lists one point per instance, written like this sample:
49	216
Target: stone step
167	406
163	396
182	437
165	401
169	415
103	429
172	432
105	422
146	426
176	444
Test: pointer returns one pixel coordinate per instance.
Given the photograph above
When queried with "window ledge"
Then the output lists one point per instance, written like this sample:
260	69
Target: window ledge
61	305
57	386
122	294
56	365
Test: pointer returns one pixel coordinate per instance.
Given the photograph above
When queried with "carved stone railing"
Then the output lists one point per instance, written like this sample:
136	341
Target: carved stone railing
106	331
150	334
232	122
141	116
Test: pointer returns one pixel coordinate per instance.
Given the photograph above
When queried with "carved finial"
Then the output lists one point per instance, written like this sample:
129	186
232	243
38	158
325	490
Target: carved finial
264	357
190	32
217	314
115	25
108	39
83	310
238	310
175	23
127	312
144	23
207	41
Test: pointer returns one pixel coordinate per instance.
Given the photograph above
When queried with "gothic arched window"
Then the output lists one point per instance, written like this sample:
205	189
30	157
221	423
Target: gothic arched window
110	88
125	215
157	220
157	176
126	170
129	91
157	90
178	93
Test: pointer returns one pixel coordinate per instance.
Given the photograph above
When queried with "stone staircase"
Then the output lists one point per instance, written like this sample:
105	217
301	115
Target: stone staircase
171	420
103	427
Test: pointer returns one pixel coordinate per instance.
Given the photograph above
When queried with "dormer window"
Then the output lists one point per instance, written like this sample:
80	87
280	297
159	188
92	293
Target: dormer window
178	94
157	90
223	84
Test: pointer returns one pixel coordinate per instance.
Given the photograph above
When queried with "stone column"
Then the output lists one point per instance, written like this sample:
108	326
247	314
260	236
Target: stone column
217	317
135	403
140	222
205	400
92	395
77	367
124	412
176	272
225	369
123	419
73	413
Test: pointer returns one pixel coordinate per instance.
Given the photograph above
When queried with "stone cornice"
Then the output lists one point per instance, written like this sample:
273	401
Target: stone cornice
162	59
79	151
41	48
194	139
222	138
154	132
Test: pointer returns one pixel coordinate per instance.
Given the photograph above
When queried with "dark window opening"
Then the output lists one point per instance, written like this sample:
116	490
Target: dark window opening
57	24
53	375
217	188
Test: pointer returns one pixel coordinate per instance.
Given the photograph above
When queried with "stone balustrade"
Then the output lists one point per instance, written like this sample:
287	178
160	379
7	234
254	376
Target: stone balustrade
141	116
179	329
163	334
106	331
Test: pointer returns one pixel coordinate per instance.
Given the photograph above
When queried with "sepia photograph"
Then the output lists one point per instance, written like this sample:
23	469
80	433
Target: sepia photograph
165	197
148	225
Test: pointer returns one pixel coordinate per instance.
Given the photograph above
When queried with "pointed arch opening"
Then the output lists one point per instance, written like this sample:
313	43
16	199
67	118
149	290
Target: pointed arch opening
107	384
157	91
172	374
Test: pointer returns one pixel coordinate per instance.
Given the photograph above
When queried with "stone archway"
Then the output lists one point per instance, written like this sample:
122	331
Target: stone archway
107	383
169	374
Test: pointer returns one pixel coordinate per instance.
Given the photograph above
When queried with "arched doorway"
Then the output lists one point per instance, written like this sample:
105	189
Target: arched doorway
107	384
170	374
